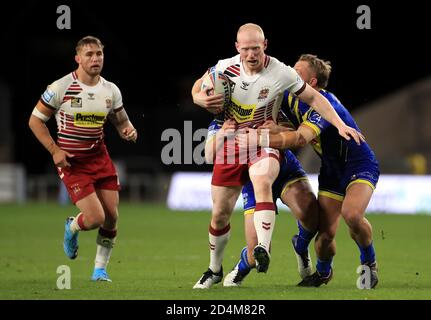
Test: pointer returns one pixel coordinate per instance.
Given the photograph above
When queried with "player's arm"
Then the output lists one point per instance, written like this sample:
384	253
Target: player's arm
288	139
275	136
283	136
119	118
319	103
39	116
213	103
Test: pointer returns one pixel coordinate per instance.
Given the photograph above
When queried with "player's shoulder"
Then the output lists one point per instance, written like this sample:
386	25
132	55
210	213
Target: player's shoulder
279	69
223	64
274	63
109	84
64	82
332	98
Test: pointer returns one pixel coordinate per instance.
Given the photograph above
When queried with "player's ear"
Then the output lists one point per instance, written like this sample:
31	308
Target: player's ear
237	47
313	82
265	44
77	59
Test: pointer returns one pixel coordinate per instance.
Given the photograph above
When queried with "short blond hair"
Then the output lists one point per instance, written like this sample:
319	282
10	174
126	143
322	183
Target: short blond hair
88	40
321	68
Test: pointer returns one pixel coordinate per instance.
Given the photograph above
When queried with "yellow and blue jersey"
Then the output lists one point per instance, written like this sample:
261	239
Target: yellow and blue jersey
343	162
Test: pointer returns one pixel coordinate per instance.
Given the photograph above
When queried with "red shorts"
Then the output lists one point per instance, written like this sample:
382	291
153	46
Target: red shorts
226	174
86	174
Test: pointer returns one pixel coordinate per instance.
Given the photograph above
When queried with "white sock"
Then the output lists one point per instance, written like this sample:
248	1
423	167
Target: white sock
264	221
74	226
104	249
218	240
103	255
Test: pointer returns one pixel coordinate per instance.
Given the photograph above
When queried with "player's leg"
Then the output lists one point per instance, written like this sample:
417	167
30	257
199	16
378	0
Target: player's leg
262	174
299	197
358	196
246	261
329	218
107	233
91	216
224	199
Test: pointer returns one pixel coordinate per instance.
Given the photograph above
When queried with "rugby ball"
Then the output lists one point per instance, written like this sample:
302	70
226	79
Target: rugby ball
217	82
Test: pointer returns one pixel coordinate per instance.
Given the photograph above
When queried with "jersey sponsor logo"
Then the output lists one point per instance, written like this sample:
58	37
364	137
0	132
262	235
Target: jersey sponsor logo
47	95
263	94
89	119
76	103
242	112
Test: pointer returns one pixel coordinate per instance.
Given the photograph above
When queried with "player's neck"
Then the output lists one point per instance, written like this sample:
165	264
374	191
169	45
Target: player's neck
254	71
87	79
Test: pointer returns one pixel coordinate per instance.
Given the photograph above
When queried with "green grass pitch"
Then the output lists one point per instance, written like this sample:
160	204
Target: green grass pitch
160	254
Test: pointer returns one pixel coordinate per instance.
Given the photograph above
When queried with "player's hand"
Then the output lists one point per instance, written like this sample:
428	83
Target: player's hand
60	158
270	126
229	124
212	103
247	139
130	134
348	132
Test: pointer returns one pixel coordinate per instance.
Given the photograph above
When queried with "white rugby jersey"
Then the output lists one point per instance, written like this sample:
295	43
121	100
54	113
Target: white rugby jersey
258	98
81	111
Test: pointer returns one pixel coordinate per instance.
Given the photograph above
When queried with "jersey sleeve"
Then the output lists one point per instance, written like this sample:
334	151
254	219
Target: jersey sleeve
292	81
117	99
222	65
52	96
316	122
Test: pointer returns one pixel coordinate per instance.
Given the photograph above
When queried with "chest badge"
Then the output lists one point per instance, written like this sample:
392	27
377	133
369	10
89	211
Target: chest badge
108	102
263	94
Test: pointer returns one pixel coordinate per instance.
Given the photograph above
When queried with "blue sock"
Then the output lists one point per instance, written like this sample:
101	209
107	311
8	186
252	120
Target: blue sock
324	267
367	254
243	263
303	240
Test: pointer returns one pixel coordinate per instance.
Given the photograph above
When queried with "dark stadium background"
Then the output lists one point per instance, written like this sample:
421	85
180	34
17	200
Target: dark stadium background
154	53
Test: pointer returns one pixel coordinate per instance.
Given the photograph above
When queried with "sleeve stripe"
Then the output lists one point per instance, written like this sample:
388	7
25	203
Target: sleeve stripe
47	105
301	90
312	126
118	109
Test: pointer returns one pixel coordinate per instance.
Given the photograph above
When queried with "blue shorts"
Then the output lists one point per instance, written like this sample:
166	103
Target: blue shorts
290	172
335	178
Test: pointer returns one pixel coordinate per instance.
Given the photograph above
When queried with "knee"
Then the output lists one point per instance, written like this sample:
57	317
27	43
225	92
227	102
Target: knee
326	236
220	217
352	218
261	180
95	219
